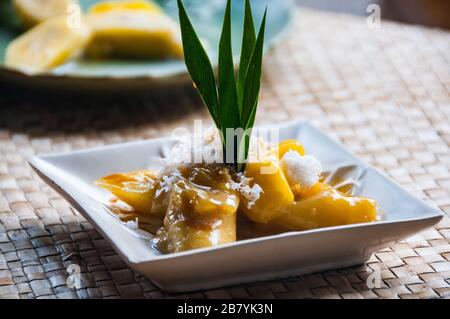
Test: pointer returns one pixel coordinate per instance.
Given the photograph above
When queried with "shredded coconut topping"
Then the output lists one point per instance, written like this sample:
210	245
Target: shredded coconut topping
206	147
303	170
167	181
251	193
197	148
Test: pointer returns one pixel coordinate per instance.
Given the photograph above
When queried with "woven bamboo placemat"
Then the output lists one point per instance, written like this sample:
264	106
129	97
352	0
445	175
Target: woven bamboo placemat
384	93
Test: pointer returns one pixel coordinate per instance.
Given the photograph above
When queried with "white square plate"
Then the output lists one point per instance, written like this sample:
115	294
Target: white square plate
282	255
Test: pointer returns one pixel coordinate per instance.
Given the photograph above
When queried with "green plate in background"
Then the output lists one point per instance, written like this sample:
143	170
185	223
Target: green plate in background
206	16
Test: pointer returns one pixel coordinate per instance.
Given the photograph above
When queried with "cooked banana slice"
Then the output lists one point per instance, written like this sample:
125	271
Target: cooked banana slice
46	46
33	12
125	5
275	192
328	208
197	218
137	189
130	33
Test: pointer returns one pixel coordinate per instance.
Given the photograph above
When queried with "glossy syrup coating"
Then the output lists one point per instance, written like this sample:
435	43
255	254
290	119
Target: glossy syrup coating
199	206
136	188
201	212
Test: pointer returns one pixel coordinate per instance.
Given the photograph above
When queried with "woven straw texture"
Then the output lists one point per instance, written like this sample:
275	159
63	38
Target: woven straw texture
384	93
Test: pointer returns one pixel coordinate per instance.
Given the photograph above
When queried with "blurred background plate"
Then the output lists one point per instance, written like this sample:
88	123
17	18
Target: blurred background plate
126	74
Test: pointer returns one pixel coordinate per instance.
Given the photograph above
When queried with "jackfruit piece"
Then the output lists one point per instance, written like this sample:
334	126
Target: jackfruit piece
33	12
129	33
46	46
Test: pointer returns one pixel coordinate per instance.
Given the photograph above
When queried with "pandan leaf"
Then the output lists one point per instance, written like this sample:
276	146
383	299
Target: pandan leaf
232	103
253	78
199	65
228	104
248	44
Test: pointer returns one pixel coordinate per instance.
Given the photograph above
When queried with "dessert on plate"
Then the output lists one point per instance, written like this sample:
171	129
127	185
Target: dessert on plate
241	186
132	29
59	33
